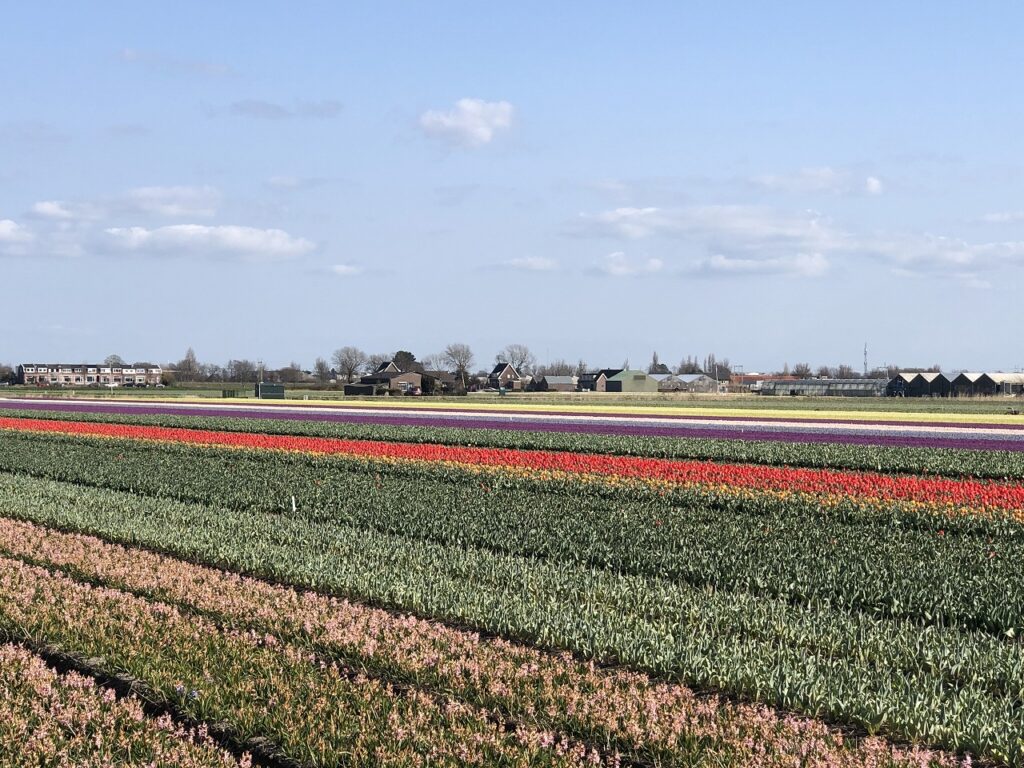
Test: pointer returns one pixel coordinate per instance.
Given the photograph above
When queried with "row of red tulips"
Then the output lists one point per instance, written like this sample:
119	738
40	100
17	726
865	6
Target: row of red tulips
930	490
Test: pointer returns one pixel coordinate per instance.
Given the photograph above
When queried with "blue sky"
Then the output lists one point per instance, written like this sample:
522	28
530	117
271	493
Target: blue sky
771	183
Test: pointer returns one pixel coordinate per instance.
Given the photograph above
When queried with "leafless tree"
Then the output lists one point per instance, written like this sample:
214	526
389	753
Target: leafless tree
242	370
846	372
556	368
187	368
435	362
115	361
689	365
657	366
290	374
518	356
459	357
349	361
802	370
322	370
374	361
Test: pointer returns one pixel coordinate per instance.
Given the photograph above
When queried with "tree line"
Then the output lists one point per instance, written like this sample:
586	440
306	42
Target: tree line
347	364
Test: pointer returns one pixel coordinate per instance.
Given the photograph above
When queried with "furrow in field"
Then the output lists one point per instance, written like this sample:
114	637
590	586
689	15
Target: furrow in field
851	668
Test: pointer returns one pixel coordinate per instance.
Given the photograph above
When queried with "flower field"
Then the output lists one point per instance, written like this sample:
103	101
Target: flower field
204	589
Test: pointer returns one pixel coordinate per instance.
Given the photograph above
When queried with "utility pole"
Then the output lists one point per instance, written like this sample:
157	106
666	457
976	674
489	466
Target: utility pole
865	359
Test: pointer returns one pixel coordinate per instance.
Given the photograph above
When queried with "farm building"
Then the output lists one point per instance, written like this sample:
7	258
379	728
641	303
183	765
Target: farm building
391	382
970	384
1008	383
89	374
597	381
920	384
553	384
631	381
827	387
504	376
685	382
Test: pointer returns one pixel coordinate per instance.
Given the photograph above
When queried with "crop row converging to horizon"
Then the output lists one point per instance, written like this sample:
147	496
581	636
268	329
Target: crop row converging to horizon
325	599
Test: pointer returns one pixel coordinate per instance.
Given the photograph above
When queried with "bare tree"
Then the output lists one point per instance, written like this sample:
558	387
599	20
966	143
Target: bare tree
435	362
322	370
518	356
242	370
657	366
114	361
376	360
689	365
846	372
187	368
459	357
290	374
556	368
349	361
802	370
719	370
581	367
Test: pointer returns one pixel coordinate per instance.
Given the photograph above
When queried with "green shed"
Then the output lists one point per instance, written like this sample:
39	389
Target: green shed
265	391
631	381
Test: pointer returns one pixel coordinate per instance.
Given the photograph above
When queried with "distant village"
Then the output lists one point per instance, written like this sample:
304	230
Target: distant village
515	370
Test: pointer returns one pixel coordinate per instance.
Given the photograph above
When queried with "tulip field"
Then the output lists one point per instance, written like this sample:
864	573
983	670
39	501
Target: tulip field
264	586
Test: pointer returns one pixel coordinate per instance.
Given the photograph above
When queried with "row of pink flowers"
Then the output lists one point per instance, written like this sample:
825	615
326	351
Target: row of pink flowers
551	693
48	719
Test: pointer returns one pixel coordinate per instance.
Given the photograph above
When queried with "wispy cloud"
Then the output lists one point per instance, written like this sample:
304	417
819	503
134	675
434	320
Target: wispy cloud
175	201
200	240
261	109
531	264
296	182
723	227
167	202
35	132
54	209
617	264
803	265
346	270
1003	217
173	64
471	123
14	238
821	180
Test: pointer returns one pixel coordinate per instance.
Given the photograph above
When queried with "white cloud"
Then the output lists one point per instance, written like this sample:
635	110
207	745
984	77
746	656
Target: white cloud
199	240
175	202
933	254
1003	217
269	110
722	228
471	123
821	180
532	264
804	265
617	264
14	238
53	209
346	270
165	63
13	233
65	213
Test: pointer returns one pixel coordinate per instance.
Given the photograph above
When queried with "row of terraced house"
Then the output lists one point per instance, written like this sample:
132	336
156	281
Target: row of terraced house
89	375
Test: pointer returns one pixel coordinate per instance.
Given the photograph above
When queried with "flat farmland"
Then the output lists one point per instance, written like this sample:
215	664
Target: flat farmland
374	584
